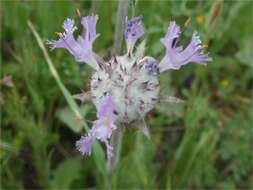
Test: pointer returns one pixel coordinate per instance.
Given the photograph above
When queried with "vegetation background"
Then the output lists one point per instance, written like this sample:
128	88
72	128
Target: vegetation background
204	143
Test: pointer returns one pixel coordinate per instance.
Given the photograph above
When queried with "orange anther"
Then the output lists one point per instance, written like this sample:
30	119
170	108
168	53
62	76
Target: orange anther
187	22
204	46
78	13
58	33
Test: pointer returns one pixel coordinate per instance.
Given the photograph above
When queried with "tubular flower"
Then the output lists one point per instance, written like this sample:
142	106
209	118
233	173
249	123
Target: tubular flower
133	31
102	127
177	56
80	48
125	88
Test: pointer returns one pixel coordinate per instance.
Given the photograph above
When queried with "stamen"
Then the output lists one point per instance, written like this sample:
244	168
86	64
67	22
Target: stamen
187	22
204	46
59	34
78	14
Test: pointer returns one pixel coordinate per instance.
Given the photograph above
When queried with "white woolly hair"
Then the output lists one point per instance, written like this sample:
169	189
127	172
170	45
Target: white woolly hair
135	90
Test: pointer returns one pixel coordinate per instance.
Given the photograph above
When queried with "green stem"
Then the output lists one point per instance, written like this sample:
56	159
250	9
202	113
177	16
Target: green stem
116	139
120	25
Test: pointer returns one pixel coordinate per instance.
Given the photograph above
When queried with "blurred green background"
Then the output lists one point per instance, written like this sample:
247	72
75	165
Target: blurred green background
204	143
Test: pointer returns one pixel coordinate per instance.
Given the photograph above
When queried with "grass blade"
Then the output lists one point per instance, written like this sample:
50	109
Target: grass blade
72	104
97	153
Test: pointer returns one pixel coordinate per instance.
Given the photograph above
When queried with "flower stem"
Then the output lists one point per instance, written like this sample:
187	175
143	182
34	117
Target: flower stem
116	142
116	138
119	26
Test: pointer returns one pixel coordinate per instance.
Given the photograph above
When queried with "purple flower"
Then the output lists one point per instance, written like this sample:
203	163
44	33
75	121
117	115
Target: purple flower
102	127
81	48
107	108
133	31
132	78
152	66
84	144
175	56
89	23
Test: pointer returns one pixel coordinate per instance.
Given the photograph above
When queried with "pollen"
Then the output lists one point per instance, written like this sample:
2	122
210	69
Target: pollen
225	83
200	19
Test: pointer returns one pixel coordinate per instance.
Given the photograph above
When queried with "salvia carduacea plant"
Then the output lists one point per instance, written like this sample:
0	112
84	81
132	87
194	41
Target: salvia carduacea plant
125	88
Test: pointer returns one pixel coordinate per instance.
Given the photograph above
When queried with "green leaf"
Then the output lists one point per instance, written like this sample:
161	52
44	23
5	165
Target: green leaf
136	170
67	116
99	158
245	54
66	173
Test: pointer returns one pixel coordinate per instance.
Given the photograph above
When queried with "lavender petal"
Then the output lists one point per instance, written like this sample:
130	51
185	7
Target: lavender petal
176	56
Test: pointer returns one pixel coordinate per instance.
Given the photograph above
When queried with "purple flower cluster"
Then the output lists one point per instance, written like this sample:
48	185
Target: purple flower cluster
102	127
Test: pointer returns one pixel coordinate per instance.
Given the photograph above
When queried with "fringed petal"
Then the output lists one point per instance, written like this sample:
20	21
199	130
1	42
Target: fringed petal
176	57
89	24
133	31
84	145
81	48
102	127
107	108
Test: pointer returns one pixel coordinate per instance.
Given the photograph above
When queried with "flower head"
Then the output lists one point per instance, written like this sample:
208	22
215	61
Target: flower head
125	88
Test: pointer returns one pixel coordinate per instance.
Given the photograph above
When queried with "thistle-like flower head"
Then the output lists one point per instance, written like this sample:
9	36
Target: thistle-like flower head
125	87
